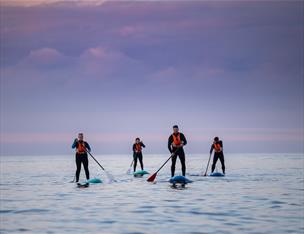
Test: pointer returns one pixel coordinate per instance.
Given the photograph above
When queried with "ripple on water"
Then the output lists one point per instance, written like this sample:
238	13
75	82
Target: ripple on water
294	204
219	216
148	207
277	202
6	211
141	211
23	230
133	233
107	221
31	211
275	207
231	224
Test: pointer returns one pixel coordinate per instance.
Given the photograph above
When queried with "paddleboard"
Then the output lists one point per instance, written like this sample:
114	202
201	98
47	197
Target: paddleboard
94	181
179	180
86	184
217	174
83	185
140	173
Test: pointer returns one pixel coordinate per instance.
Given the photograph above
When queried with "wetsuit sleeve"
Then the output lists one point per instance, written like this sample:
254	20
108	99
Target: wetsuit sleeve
75	144
211	149
170	140
183	138
133	147
87	146
143	145
221	144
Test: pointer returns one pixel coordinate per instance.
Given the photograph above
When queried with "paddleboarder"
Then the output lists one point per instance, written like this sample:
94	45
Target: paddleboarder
176	142
81	155
137	153
217	146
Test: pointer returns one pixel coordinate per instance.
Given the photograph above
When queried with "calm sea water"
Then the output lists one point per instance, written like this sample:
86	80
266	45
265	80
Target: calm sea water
260	194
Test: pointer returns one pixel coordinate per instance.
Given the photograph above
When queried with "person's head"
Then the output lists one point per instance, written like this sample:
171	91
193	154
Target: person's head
216	139
175	129
80	136
137	140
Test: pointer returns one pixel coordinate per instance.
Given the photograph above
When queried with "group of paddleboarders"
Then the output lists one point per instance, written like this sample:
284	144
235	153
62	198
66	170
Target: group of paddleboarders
176	143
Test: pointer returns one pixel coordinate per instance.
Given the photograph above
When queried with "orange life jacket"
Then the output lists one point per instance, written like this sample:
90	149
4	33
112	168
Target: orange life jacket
176	139
217	147
81	148
138	147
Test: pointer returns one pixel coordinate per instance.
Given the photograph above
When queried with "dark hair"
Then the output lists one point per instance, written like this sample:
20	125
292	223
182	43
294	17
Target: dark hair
80	133
216	138
175	126
137	138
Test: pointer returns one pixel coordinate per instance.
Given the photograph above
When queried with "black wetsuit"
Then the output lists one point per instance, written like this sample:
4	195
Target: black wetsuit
139	156
82	158
180	153
218	155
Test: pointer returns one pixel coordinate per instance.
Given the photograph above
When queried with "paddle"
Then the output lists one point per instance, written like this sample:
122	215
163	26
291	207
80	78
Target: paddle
95	160
129	170
207	165
111	177
152	177
73	179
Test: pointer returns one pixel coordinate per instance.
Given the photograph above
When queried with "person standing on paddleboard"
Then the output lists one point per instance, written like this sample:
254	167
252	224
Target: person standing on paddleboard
217	146
81	155
137	153
176	142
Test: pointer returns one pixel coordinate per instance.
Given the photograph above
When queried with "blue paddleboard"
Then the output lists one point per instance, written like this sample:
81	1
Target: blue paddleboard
179	180
217	174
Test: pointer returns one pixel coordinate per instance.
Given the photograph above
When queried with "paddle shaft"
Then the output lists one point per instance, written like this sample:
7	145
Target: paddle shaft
95	160
167	160
129	170
73	179
152	178
207	165
109	175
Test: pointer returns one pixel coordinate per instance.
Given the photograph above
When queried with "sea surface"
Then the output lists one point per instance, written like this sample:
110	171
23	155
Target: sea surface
261	193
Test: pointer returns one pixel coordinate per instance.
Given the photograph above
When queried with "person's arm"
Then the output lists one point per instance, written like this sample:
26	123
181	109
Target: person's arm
221	144
211	149
75	143
170	140
183	138
143	145
87	146
134	148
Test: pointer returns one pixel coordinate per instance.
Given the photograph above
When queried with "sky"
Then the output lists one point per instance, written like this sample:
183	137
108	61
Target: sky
116	70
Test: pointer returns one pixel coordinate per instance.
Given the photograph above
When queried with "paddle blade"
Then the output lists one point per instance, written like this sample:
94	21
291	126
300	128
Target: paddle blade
110	177
152	177
129	171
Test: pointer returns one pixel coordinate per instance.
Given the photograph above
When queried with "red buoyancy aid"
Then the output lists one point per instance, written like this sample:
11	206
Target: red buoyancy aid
176	140
81	148
138	147
217	147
